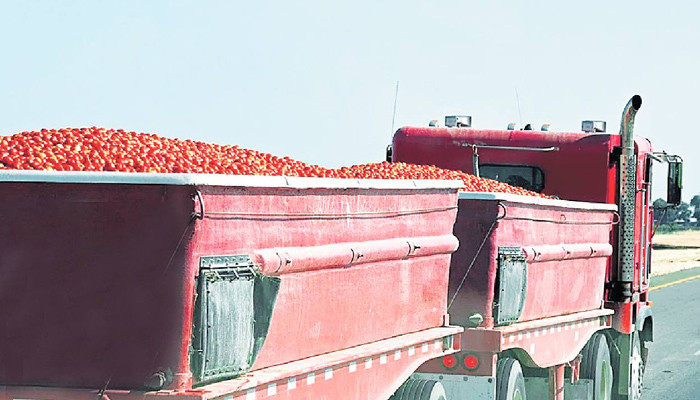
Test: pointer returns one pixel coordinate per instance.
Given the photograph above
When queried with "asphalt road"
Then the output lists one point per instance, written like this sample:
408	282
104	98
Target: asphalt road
673	369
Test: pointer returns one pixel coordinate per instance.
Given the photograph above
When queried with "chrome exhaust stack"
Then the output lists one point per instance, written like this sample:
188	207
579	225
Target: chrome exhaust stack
627	123
627	185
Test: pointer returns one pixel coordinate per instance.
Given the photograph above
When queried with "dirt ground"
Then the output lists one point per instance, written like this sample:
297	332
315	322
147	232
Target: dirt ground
675	251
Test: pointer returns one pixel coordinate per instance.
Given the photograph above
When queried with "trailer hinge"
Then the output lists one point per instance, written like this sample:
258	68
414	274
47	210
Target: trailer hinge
238	266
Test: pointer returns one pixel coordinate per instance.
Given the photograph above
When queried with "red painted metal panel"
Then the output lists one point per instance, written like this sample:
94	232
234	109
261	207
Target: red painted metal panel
623	320
554	341
337	308
578	170
554	287
334	308
92	282
98	279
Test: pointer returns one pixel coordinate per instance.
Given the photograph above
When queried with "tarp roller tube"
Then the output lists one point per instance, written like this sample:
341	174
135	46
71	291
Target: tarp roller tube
285	260
563	252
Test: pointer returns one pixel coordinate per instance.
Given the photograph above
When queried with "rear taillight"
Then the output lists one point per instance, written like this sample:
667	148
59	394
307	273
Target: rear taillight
449	362
471	362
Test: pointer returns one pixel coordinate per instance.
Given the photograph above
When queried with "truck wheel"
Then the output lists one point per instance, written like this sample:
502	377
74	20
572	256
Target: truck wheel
510	383
595	365
636	369
420	389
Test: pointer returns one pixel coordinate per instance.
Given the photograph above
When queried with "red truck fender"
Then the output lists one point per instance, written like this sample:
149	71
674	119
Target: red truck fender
645	324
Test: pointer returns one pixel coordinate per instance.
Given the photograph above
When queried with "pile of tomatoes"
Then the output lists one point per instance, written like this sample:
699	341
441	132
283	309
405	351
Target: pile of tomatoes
100	149
386	170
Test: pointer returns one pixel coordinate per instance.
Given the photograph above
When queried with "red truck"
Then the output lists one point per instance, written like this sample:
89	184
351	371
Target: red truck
553	294
190	287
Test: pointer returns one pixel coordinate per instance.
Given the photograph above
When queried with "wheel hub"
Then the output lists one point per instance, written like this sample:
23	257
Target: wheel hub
636	374
517	395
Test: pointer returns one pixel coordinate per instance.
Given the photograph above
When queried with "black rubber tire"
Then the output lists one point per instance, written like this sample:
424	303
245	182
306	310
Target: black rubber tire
596	365
510	383
415	388
420	389
433	390
638	368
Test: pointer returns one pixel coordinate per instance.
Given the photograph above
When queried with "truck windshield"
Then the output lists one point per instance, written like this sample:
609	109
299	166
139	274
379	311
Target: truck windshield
526	177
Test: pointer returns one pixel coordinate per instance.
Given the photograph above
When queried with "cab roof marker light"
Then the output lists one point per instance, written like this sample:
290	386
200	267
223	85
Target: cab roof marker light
458	121
590	126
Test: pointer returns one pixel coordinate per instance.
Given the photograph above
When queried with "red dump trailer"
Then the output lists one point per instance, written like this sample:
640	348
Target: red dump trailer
151	286
169	286
528	284
552	293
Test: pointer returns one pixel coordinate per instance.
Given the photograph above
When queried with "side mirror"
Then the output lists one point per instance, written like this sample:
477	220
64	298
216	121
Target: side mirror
675	181
389	153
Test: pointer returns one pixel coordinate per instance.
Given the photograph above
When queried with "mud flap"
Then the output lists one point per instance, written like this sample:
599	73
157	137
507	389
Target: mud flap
511	285
231	318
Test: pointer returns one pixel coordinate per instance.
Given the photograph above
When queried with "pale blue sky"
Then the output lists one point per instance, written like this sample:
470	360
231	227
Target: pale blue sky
316	80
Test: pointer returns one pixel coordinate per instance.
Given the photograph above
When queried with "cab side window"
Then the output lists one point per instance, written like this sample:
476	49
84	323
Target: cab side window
526	177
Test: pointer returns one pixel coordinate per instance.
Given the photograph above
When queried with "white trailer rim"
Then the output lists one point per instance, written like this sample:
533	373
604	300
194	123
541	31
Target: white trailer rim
139	178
